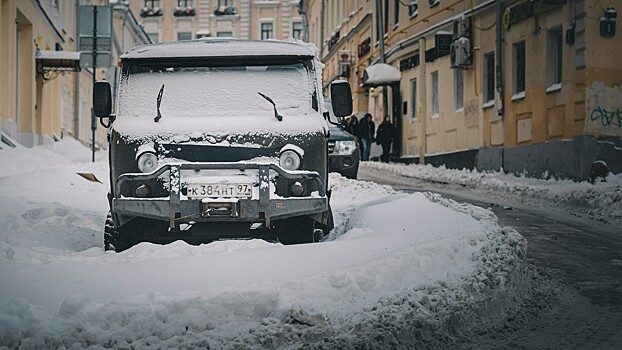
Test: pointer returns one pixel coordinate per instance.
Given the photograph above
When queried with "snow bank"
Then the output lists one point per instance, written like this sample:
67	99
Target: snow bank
393	263
601	201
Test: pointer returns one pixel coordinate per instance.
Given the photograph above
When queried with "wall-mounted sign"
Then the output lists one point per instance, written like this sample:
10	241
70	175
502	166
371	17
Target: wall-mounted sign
364	47
408	63
443	43
517	14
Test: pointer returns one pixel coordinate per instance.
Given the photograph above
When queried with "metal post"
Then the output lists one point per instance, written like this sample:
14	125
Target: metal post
93	122
422	109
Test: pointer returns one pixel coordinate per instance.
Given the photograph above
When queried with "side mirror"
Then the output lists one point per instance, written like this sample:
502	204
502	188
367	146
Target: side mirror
102	99
341	98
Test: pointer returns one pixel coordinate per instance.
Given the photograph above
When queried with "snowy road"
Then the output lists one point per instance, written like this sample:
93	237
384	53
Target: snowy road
583	254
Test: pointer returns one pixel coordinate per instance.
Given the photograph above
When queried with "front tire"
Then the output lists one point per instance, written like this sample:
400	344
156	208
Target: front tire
113	239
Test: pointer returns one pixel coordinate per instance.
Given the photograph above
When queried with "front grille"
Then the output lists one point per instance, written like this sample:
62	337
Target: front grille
331	147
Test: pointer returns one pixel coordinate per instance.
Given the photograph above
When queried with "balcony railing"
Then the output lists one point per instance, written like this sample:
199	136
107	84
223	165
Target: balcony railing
150	11
225	11
184	11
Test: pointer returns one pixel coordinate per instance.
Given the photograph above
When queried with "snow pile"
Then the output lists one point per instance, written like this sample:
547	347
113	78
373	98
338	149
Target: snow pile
397	269
601	201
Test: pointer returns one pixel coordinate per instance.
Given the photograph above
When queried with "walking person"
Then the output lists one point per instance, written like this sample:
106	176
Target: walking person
384	137
367	129
353	128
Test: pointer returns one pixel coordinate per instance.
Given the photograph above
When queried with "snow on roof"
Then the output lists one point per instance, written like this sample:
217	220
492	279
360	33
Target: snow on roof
381	73
221	47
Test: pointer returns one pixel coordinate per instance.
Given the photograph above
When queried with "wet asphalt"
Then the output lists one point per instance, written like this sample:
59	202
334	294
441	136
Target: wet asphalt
581	254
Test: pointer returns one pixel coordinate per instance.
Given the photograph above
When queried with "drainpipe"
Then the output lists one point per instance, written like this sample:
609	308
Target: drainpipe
499	58
321	30
385	101
422	110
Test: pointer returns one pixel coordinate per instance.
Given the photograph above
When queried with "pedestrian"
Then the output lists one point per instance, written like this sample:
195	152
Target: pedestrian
384	137
352	126
367	129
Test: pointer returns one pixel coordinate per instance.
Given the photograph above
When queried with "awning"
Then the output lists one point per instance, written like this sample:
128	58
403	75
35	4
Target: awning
57	61
381	74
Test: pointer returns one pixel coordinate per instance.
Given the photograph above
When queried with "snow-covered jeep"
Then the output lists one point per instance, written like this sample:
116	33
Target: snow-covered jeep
218	139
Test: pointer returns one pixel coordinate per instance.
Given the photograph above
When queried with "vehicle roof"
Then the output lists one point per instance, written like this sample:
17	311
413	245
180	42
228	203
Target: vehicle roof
221	47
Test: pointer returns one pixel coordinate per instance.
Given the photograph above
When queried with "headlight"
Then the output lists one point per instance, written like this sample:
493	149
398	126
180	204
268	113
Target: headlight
344	147
289	160
147	162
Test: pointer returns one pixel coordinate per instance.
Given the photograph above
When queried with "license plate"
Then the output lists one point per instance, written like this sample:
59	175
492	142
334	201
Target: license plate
222	190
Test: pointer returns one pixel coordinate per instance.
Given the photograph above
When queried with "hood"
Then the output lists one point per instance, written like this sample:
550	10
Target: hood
338	134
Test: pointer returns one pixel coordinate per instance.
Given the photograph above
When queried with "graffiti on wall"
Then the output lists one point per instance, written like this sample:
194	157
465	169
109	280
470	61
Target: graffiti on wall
604	109
607	118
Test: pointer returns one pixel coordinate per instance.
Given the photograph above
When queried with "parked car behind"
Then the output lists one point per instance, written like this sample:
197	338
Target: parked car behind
343	148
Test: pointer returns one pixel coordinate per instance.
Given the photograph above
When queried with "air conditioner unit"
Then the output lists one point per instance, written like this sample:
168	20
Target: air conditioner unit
462	27
461	53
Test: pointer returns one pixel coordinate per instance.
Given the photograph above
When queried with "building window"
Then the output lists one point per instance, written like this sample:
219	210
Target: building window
152	3
413	8
184	36
518	71
458	89
184	3
554	57
297	30
266	31
225	3
224	34
434	88
413	100
154	37
489	77
433	2
396	12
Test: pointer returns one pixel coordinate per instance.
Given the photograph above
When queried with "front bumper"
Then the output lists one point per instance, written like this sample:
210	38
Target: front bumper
262	207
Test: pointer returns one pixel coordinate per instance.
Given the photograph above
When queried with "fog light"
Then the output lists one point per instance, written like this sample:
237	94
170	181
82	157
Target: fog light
347	161
296	189
142	191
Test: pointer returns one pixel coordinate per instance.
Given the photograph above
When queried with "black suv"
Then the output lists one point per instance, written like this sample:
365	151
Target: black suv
218	139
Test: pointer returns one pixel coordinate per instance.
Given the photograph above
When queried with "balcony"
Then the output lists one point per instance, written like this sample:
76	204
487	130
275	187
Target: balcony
184	11
225	11
150	11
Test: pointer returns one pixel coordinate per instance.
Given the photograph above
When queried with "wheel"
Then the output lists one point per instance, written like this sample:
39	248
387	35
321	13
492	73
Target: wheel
110	234
112	237
295	230
330	224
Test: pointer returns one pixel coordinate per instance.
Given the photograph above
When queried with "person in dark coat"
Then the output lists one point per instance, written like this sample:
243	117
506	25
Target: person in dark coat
384	137
353	128
367	130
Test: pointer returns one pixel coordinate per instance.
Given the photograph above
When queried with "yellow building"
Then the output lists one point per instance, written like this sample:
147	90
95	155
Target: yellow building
168	20
558	77
44	95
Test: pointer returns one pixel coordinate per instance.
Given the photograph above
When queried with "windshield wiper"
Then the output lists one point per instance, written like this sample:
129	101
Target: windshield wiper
159	116
276	114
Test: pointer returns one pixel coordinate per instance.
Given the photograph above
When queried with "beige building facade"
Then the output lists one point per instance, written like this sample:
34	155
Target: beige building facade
558	76
169	20
44	95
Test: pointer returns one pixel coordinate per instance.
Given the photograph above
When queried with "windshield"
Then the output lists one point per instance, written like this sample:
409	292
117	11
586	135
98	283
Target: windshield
201	92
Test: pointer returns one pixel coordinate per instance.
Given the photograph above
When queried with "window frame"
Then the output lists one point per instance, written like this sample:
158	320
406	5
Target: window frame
262	30
413	98
519	68
554	57
458	90
434	96
489	78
